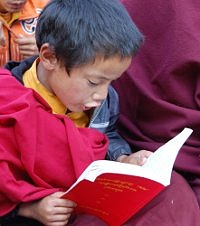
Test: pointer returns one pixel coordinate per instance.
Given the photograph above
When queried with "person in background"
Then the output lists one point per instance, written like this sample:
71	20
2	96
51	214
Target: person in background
58	111
18	19
160	92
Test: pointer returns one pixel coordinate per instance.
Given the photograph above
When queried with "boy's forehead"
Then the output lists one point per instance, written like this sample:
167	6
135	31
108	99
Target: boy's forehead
106	68
100	60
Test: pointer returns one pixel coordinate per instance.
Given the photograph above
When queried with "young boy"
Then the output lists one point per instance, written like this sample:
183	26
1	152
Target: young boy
83	46
18	20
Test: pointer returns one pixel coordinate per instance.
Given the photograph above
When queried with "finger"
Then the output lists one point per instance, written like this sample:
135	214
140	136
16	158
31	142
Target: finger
148	153
134	160
140	160
145	153
58	194
59	219
60	202
24	40
66	203
27	53
63	210
143	160
28	48
57	223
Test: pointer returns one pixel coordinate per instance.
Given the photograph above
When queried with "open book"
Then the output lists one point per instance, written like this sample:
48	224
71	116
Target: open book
115	191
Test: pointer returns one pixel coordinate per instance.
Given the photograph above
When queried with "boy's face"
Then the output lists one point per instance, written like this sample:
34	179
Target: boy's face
86	87
11	6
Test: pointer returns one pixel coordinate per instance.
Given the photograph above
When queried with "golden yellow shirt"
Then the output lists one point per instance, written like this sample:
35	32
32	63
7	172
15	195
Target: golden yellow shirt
31	81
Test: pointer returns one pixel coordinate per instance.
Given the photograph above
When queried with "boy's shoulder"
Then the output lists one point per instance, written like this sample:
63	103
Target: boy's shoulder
15	96
10	88
8	81
17	69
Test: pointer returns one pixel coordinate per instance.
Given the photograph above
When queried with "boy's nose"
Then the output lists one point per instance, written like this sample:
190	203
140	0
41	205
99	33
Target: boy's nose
100	95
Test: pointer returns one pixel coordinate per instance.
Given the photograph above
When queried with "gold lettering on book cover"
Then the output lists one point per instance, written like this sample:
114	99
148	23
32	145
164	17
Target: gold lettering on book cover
119	185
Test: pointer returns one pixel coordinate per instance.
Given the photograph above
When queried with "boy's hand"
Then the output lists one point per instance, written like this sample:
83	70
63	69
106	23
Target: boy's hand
51	210
2	37
137	158
27	45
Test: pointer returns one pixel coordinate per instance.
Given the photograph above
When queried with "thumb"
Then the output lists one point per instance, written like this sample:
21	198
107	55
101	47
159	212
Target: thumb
57	194
18	36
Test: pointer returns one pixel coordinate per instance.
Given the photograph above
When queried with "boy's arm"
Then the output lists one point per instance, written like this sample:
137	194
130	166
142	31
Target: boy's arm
49	209
117	145
119	149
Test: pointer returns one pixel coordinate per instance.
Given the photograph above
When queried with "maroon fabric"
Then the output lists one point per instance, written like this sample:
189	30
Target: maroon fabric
176	205
160	92
40	152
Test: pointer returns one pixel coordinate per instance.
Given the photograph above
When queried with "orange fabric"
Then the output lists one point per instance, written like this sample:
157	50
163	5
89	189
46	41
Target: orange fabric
25	25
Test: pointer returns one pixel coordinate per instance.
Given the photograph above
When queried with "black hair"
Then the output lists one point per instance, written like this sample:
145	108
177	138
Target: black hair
80	30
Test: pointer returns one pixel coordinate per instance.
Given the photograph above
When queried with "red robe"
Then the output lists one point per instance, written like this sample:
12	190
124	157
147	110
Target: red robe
40	152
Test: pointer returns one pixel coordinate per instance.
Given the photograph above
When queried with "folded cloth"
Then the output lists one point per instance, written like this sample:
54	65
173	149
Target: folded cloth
40	152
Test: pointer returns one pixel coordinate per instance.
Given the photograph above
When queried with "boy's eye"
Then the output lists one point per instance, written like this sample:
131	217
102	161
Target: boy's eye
91	83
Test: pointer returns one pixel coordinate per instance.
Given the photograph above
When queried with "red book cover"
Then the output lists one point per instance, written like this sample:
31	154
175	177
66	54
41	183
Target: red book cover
113	197
115	191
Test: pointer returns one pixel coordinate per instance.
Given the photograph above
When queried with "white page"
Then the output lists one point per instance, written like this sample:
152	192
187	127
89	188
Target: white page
106	166
162	161
158	166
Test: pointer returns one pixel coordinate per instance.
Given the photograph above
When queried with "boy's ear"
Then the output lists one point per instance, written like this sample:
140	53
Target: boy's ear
48	57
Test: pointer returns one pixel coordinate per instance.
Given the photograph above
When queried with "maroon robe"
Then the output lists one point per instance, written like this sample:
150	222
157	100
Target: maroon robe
160	92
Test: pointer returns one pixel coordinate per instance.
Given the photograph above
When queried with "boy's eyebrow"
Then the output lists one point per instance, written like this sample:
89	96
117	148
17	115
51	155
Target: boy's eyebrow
100	77
103	78
108	79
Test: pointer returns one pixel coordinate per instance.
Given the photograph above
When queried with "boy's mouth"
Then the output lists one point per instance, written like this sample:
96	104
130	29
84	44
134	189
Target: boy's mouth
86	108
91	105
